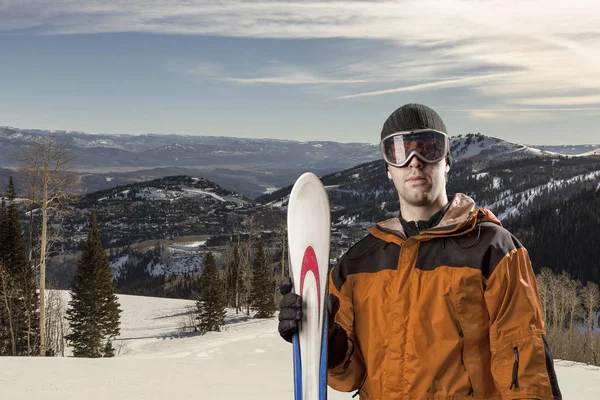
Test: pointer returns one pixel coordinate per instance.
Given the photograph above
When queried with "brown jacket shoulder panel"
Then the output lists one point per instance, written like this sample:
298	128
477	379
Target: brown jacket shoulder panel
370	255
481	248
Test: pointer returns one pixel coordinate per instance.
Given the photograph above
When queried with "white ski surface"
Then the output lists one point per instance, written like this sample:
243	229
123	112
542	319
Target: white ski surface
309	227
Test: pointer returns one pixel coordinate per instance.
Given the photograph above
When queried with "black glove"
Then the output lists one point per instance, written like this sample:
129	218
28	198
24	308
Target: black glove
290	310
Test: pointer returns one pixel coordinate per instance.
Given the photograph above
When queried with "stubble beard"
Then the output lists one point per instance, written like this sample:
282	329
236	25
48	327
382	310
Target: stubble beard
418	198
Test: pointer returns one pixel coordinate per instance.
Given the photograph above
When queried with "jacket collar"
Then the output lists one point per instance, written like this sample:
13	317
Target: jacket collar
461	217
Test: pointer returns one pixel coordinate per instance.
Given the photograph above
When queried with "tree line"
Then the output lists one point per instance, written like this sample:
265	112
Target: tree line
563	235
216	293
93	312
571	314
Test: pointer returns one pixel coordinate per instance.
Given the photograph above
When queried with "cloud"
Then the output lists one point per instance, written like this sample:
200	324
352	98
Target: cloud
449	83
558	101
275	73
517	110
300	79
525	114
455	43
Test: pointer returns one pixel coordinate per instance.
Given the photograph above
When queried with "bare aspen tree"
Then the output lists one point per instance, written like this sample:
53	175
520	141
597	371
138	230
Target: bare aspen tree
573	302
562	288
56	328
591	302
554	300
251	227
281	234
543	280
49	161
7	296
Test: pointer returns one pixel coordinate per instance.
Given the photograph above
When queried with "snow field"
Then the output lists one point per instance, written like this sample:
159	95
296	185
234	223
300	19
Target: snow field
248	360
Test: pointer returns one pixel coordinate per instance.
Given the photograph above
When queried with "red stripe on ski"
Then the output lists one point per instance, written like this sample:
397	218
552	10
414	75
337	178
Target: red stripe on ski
309	263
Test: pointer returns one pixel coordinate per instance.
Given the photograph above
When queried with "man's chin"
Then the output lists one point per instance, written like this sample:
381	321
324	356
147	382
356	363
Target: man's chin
419	199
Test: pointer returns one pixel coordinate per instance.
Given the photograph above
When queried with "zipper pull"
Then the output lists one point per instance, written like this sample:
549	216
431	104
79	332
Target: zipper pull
515	374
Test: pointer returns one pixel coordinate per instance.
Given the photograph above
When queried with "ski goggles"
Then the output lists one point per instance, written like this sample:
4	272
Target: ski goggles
428	145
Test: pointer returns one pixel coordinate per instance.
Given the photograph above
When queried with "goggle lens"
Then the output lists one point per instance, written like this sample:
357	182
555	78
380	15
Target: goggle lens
431	146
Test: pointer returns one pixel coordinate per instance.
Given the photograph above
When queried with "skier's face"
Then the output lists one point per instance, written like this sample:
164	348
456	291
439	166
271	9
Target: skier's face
420	184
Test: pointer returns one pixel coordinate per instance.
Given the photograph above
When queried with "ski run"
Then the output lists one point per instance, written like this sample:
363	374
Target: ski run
248	360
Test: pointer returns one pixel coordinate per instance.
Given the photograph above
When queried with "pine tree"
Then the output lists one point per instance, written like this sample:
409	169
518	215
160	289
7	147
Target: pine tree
3	219
11	193
19	305
233	278
93	313
261	296
240	283
210	303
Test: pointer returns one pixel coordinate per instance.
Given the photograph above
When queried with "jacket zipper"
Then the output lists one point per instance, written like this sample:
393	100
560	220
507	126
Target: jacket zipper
515	374
361	385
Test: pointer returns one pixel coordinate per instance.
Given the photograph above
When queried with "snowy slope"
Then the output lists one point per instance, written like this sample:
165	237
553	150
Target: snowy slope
590	153
247	360
472	146
530	194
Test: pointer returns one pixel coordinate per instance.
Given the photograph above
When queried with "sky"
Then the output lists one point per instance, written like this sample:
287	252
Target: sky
526	71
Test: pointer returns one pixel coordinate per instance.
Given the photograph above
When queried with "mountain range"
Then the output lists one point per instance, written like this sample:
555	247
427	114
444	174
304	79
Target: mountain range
221	182
252	167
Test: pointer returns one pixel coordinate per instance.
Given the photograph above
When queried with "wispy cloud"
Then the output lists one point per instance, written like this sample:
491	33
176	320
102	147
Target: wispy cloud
300	79
449	83
558	101
502	110
525	114
552	48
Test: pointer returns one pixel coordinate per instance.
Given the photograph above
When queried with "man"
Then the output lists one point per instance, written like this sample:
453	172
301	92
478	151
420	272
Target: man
439	303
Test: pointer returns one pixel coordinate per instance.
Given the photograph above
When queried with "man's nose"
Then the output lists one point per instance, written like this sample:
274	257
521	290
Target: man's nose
415	162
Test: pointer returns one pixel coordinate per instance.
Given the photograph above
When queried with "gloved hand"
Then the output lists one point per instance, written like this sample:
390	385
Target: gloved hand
290	311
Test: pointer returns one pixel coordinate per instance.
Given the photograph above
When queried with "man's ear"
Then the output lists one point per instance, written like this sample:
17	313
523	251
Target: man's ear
389	174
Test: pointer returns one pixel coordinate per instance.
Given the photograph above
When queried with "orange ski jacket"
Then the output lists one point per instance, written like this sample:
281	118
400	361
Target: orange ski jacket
452	313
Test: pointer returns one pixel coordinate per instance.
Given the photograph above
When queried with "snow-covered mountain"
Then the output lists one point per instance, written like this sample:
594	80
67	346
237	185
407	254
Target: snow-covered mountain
156	360
507	178
479	146
150	150
160	208
250	166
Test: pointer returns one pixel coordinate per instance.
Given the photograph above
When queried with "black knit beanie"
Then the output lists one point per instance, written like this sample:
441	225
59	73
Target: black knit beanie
414	116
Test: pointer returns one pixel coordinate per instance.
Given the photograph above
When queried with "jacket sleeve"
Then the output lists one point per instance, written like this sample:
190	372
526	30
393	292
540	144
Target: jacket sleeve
346	366
521	362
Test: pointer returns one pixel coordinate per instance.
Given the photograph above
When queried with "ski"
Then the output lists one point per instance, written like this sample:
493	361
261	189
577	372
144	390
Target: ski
308	223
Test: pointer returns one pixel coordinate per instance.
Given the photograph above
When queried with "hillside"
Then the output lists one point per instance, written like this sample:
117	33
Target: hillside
154	231
507	186
563	235
512	182
160	208
511	187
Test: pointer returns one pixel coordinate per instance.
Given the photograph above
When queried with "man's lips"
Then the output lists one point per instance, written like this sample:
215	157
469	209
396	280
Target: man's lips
416	179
